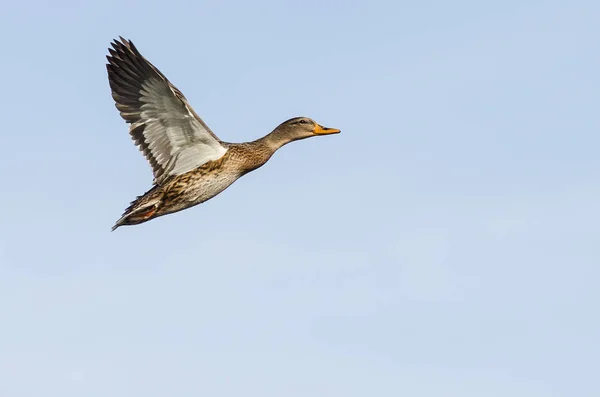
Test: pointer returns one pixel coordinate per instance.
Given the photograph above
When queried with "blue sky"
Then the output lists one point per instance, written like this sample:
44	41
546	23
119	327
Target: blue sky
445	244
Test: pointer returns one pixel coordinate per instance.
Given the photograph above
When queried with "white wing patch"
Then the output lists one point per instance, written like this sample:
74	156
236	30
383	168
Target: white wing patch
177	140
193	156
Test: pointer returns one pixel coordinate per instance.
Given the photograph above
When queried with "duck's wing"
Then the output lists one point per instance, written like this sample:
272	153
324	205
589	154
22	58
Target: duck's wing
171	135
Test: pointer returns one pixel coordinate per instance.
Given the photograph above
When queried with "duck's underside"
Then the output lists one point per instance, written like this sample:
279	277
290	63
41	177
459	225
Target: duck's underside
178	193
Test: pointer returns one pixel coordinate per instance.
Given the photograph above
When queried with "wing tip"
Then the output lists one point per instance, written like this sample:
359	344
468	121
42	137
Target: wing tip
121	46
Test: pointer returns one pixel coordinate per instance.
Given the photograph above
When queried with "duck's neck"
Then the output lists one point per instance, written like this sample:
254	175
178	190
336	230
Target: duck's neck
274	140
258	152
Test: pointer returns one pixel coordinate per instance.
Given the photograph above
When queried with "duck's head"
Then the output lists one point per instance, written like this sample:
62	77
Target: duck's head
300	128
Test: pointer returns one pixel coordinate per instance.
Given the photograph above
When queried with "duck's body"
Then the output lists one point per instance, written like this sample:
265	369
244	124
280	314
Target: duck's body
197	186
191	165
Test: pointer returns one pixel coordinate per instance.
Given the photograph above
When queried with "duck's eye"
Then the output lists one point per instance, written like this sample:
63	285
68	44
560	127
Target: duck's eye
302	121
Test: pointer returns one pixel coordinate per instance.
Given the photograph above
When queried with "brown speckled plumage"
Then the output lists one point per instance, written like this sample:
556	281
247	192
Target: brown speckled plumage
191	165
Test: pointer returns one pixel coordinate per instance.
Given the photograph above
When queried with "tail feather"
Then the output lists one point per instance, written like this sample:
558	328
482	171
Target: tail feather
142	209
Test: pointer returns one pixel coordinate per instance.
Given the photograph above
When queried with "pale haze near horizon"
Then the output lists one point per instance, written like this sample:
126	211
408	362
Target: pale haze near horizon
445	244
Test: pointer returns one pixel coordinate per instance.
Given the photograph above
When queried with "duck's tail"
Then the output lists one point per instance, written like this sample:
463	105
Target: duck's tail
142	209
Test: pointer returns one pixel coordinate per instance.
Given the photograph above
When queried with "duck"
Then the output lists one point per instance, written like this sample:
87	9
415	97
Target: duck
190	164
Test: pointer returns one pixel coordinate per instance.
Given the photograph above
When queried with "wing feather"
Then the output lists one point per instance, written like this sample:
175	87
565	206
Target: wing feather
170	134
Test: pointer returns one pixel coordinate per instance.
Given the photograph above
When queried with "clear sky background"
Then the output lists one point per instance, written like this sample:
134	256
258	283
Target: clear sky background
445	244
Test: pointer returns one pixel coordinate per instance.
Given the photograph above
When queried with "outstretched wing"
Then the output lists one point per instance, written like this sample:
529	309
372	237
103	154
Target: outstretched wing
172	137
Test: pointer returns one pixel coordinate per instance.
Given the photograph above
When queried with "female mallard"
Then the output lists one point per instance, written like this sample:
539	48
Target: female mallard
190	163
